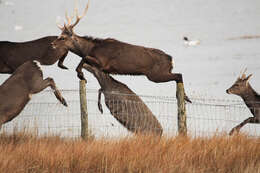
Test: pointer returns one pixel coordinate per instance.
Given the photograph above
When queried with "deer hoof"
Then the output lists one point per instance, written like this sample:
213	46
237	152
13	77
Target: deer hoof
63	101
64	67
234	130
186	98
81	77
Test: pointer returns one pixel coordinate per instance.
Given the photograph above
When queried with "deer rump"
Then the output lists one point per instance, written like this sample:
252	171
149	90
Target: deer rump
132	113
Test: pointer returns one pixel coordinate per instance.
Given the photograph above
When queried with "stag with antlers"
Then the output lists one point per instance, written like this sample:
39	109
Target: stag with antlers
116	57
251	98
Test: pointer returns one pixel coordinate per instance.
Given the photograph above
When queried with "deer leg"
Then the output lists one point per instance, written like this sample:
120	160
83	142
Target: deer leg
99	98
49	82
248	120
89	60
61	60
79	70
166	77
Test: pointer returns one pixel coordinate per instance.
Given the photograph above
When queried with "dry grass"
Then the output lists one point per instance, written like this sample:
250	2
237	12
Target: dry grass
26	153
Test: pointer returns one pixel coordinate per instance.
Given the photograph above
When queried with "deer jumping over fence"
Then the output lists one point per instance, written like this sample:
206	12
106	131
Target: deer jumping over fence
17	90
116	57
14	54
251	98
125	105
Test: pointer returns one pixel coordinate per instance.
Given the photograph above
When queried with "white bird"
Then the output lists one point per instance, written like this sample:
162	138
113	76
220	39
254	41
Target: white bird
18	27
188	42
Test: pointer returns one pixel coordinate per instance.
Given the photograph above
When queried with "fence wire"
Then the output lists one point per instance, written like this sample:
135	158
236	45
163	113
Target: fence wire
205	117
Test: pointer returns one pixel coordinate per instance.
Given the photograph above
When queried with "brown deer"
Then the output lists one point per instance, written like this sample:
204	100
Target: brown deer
116	57
243	89
125	105
14	54
17	90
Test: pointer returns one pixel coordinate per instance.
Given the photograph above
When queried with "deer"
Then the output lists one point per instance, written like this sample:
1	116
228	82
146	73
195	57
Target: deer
17	90
125	105
14	54
116	57
251	98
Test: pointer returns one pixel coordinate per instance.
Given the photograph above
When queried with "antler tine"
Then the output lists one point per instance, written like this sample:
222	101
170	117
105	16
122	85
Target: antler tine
243	74
58	23
59	26
67	17
80	17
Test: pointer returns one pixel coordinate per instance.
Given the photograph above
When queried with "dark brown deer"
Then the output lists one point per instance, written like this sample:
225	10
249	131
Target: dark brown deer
125	105
116	57
243	89
17	90
14	54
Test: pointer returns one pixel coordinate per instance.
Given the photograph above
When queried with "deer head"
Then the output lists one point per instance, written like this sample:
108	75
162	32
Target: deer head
67	37
241	85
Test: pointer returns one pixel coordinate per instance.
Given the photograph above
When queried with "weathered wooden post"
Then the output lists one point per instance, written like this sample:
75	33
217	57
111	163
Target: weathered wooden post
182	125
83	109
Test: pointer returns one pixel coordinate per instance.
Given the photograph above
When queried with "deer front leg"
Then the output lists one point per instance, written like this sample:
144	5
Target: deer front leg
39	86
88	60
79	70
57	92
248	120
99	103
61	60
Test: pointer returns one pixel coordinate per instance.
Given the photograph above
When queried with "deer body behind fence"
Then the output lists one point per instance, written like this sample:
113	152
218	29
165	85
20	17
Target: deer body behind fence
251	98
14	54
125	105
17	90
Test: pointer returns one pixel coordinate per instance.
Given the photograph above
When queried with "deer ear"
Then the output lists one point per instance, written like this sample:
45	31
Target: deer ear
247	79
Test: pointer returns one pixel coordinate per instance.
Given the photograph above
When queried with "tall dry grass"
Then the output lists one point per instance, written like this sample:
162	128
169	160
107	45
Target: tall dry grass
26	153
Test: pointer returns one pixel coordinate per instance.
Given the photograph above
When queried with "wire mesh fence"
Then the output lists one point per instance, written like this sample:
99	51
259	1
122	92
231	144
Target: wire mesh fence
44	115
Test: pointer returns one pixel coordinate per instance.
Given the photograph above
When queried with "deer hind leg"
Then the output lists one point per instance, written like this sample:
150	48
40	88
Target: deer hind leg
248	120
166	77
42	84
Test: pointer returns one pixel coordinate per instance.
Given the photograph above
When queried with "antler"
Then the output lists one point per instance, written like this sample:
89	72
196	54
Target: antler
243	75
58	23
69	19
80	17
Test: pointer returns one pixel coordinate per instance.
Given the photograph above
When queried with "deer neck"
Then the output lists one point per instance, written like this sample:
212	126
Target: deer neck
250	97
82	46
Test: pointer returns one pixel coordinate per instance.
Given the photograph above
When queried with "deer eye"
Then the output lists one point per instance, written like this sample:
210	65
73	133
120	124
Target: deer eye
62	38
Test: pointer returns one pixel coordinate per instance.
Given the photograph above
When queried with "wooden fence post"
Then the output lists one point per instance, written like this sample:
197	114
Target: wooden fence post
83	109
182	125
